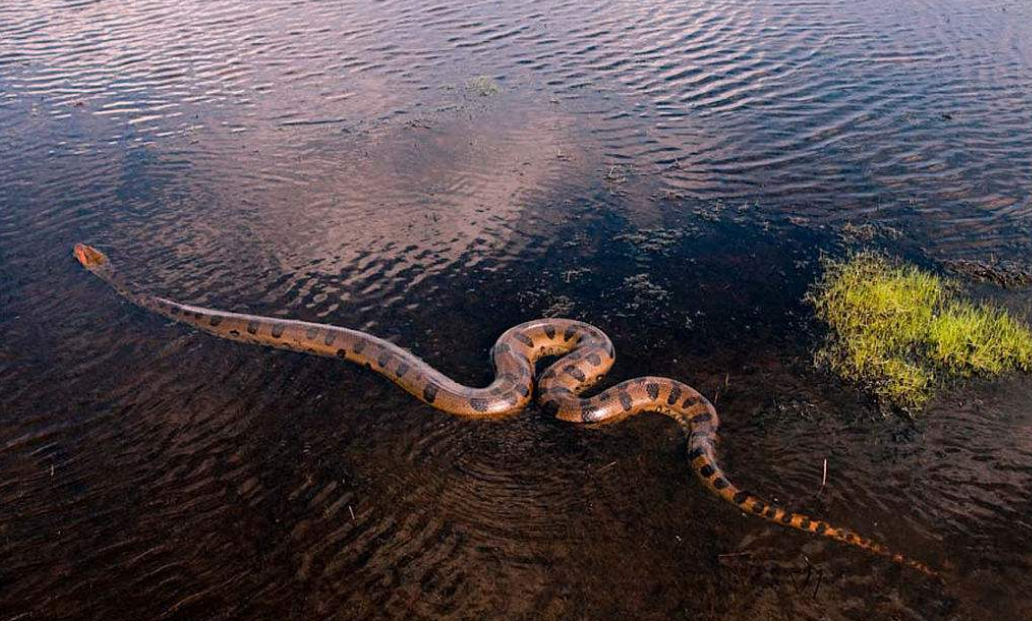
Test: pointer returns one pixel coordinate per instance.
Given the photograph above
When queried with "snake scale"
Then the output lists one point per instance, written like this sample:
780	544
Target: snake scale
586	355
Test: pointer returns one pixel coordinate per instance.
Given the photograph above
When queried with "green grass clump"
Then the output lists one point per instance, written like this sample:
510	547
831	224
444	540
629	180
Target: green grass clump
900	330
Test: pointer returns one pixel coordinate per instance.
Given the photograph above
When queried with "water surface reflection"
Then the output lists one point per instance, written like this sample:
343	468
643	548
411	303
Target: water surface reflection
668	171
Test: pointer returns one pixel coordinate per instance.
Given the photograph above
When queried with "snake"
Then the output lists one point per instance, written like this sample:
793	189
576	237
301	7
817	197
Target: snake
585	354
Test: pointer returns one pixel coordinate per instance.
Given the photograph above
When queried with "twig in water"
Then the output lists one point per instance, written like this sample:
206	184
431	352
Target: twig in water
809	573
824	479
810	569
352	512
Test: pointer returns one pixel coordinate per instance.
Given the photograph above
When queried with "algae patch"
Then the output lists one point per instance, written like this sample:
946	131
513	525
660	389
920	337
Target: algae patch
902	331
484	86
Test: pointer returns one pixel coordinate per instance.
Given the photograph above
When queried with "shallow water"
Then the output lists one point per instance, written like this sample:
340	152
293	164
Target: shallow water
671	172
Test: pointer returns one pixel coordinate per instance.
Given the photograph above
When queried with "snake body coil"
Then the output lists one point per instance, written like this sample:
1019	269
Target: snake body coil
587	354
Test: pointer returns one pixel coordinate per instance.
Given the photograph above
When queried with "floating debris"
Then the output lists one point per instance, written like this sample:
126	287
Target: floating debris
864	233
484	86
655	240
1006	274
646	292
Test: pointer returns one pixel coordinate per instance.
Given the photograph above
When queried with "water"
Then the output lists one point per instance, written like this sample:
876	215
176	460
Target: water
668	171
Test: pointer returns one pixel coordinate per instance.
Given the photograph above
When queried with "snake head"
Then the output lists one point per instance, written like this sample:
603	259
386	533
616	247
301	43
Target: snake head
90	257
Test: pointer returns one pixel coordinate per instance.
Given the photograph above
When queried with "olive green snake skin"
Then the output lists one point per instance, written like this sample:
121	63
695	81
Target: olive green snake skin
586	355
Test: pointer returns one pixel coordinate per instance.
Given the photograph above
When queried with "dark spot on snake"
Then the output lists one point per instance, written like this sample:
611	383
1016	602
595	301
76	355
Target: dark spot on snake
786	519
741	497
277	331
215	320
523	389
695	453
197	315
341	353
707	470
574	372
594	359
368	366
805	523
821	528
430	393
330	337
359	346
548	375
501	348
252	327
569	333
479	405
550	332
523	338
625	402
675	394
549	407
401	370
770	512
720	483
311	332
383	359
690	401
702	418
758	507
653	390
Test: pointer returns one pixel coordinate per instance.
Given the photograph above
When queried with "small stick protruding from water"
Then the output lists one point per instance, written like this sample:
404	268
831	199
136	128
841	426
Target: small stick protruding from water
824	479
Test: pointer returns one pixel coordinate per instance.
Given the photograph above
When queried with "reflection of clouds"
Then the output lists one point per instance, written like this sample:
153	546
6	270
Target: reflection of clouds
416	193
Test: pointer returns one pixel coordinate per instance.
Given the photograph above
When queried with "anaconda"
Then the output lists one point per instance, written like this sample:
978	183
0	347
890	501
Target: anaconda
586	355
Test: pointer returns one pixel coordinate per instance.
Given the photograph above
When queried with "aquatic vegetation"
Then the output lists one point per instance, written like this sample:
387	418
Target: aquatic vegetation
484	85
902	331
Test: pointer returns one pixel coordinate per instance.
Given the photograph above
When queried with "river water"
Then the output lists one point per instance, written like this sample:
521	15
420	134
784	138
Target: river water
435	172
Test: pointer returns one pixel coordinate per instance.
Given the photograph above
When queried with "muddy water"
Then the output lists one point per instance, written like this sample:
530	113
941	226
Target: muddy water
668	171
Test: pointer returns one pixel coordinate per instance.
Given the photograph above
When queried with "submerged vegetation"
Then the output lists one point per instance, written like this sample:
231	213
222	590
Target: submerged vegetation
484	86
901	331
